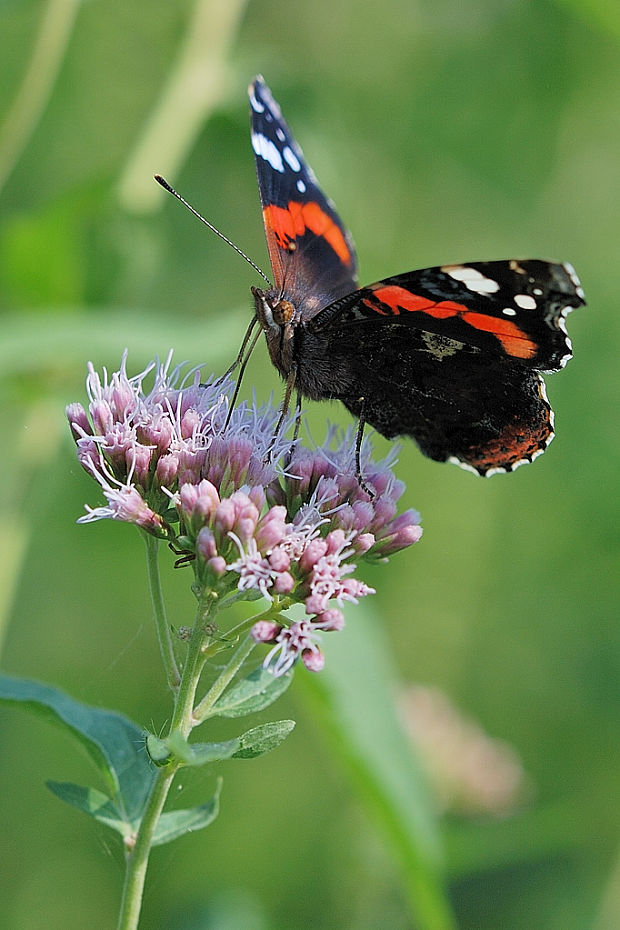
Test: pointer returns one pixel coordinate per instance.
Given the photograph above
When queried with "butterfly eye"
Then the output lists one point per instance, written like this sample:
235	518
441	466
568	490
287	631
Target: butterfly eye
283	312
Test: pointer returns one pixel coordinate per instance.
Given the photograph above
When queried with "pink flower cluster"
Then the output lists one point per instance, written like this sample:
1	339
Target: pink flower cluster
174	454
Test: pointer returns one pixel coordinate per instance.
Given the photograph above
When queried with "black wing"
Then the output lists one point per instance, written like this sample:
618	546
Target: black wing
449	356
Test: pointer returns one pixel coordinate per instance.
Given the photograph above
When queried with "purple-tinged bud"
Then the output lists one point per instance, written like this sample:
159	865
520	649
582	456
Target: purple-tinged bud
313	659
393	542
330	619
138	463
265	631
78	421
122	396
244	529
243	505
89	455
191	422
363	542
380	481
315	603
159	434
208	500
217	565
403	520
257	496
206	547
336	541
385	511
271	529
364	515
166	470
260	472
103	420
239	454
188	498
191	462
279	560
315	550
284	583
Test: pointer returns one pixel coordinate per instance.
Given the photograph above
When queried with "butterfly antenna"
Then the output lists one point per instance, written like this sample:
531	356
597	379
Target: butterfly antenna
213	228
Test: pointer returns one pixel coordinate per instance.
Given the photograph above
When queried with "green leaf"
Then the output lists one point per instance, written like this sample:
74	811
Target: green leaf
114	743
201	753
356	692
254	693
91	802
262	739
176	823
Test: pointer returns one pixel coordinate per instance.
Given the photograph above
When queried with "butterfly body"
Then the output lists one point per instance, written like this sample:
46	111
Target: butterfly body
449	355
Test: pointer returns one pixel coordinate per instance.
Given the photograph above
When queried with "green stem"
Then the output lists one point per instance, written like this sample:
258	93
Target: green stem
138	859
201	712
182	720
159	611
272	612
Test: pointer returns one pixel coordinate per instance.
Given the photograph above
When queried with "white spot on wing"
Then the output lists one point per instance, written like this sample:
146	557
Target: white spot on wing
473	279
508	311
291	159
525	301
255	103
572	274
301	187
464	465
266	149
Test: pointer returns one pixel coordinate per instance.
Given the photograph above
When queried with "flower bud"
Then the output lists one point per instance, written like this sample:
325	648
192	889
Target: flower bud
313	659
265	631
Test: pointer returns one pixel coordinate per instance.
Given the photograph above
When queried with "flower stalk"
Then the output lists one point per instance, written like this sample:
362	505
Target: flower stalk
162	627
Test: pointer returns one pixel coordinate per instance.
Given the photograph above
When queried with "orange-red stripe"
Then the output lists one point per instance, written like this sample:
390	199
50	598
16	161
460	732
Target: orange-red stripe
399	299
290	223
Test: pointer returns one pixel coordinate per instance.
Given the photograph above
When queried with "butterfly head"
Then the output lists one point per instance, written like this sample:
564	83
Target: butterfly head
278	318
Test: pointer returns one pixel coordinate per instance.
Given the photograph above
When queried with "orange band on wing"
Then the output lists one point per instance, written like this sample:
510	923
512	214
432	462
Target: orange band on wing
290	223
399	299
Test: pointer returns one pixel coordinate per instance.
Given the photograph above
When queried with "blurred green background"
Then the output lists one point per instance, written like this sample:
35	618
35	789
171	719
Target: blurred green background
446	131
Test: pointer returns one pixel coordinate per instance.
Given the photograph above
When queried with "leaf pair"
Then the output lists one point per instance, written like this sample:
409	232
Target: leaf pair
117	747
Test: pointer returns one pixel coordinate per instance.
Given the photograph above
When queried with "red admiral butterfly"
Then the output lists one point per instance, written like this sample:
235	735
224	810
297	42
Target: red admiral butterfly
449	355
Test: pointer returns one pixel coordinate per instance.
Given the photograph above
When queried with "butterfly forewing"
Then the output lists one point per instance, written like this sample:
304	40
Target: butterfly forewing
311	251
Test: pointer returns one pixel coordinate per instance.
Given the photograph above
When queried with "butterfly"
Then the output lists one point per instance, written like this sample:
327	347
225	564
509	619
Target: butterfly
450	356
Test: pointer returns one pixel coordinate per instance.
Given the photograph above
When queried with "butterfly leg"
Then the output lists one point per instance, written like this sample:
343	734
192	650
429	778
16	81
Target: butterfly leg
289	454
361	423
286	403
243	361
241	351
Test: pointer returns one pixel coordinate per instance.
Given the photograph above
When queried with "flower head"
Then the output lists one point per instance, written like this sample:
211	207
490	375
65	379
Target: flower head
174	460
